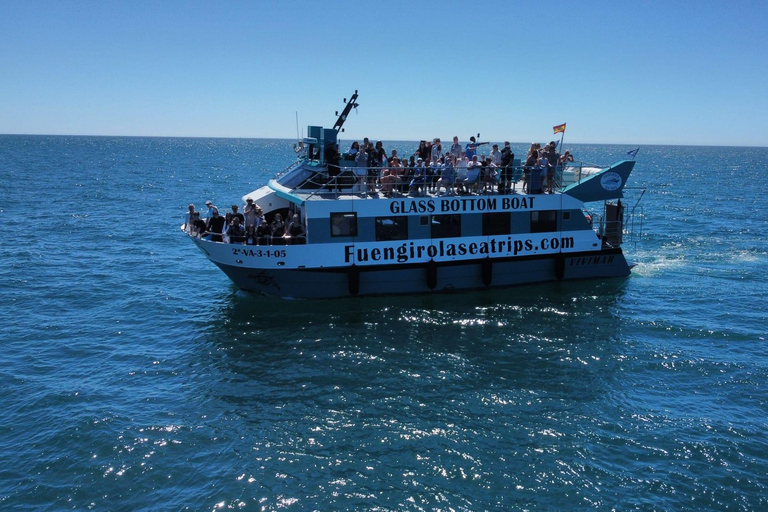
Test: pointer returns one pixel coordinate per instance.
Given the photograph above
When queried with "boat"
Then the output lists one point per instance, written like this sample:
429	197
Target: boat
355	241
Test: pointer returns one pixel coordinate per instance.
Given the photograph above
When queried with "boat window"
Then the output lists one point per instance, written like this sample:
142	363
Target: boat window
497	223
424	220
544	221
446	226
391	228
344	224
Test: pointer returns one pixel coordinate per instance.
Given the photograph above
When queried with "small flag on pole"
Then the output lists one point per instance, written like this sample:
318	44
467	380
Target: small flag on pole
559	128
633	153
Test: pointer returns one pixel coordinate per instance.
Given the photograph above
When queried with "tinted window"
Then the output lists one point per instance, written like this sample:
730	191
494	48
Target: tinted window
544	221
344	224
446	226
497	223
391	228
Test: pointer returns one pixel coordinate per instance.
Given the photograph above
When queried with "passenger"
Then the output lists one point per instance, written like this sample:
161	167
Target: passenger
379	155
189	217
418	183
295	234
332	160
361	168
263	231
199	227
237	234
299	149
375	157
419	153
471	149
391	177
425	151
567	157
278	230
456	150
507	160
530	164
437	150
234	215
249	213
208	214
552	160
473	176
216	226
354	149
543	165
393	157
447	176
489	173
435	168
495	155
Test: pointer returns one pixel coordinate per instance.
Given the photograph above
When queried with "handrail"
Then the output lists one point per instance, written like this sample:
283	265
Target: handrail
320	181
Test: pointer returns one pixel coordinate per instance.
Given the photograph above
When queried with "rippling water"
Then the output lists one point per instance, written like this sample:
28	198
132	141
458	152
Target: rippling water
135	376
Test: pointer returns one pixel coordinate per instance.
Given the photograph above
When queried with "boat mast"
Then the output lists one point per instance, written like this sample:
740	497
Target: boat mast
343	117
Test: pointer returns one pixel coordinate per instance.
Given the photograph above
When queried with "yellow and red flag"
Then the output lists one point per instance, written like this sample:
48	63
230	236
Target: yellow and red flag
559	128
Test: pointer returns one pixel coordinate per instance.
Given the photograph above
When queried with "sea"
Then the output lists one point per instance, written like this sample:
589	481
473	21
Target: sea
135	376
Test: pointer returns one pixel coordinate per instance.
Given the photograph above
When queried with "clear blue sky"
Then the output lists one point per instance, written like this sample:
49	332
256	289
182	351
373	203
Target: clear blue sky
668	72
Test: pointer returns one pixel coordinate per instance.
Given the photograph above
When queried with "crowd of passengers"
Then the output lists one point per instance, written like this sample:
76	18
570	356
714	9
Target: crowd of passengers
458	170
249	227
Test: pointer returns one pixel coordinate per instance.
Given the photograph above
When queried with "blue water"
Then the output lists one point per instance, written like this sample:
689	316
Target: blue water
135	376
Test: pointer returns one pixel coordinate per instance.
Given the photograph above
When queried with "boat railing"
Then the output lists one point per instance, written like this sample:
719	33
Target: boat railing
617	223
250	238
316	179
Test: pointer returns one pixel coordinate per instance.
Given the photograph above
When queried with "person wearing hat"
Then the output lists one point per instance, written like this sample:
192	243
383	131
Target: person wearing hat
207	215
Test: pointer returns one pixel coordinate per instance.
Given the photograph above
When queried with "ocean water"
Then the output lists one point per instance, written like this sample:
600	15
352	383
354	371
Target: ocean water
135	376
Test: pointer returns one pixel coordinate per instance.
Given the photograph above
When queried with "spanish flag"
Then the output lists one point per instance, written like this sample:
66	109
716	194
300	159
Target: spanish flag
559	128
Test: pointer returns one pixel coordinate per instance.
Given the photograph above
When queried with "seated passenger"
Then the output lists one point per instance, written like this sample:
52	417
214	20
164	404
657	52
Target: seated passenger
488	176
464	186
278	230
419	178
216	226
391	177
263	233
295	233
447	176
236	232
